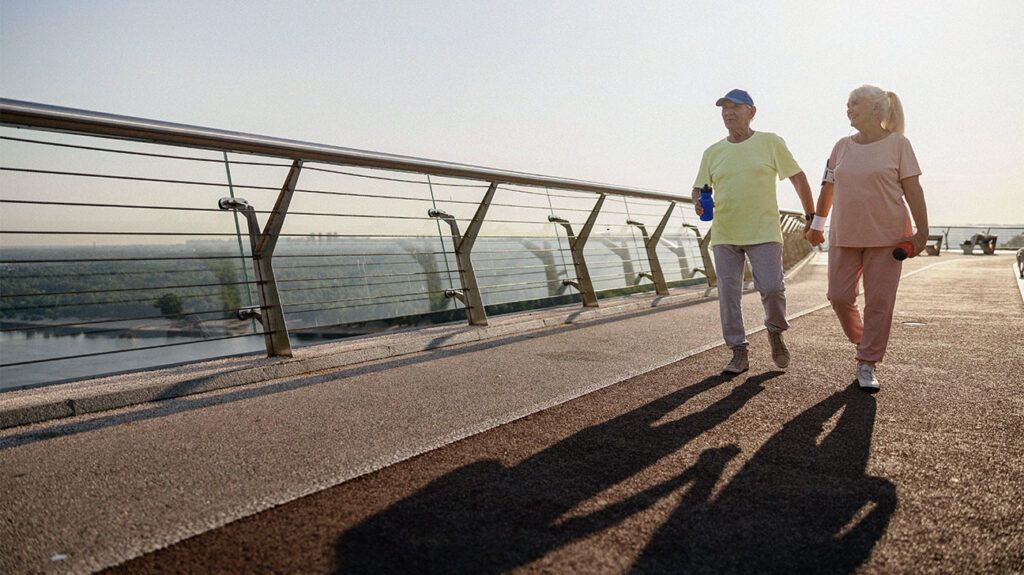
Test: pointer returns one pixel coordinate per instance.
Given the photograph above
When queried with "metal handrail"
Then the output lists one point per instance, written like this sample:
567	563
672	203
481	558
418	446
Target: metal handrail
61	119
308	293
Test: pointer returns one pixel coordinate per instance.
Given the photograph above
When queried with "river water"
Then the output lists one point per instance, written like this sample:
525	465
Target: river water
21	346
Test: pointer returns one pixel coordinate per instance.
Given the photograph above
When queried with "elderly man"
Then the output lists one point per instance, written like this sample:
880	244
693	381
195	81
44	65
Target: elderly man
742	169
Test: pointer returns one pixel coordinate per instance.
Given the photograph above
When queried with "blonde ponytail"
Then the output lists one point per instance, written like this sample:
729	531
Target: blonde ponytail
893	120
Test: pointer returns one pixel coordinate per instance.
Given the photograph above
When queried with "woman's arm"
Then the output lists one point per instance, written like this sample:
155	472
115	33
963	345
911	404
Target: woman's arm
915	199
816	237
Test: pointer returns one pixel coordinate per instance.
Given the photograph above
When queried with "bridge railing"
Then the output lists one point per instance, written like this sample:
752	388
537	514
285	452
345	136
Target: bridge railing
1008	237
130	243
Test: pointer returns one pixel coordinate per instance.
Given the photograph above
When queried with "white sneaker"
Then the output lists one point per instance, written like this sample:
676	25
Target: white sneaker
866	377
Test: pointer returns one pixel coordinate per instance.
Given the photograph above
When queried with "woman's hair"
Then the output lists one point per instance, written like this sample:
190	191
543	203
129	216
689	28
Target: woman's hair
888	104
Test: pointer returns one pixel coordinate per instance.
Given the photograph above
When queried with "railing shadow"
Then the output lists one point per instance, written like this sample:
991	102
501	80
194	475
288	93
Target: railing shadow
488	518
802	503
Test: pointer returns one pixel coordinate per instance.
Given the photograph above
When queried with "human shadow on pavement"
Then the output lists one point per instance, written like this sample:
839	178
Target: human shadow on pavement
802	504
488	518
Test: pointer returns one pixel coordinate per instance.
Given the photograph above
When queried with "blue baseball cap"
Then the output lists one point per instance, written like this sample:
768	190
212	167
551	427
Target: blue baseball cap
736	96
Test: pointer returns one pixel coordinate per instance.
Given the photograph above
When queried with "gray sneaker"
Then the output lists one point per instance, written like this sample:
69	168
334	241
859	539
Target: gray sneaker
780	353
739	362
866	378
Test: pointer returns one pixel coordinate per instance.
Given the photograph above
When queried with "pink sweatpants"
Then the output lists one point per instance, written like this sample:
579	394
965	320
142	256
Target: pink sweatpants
881	273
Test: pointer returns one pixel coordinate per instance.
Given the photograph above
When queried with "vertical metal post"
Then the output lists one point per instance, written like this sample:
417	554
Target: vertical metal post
278	343
238	234
651	244
440	237
270	313
579	263
469	295
786	226
705	255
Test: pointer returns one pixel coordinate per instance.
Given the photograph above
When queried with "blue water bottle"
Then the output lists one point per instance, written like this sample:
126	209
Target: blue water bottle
707	203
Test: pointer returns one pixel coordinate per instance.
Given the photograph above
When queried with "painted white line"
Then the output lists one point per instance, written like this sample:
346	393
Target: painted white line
1020	281
827	304
480	427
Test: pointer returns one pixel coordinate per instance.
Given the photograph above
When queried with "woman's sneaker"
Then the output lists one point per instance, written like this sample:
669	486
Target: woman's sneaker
866	377
739	362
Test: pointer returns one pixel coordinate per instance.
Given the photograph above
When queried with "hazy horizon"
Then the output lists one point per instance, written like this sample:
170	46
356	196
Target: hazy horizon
594	91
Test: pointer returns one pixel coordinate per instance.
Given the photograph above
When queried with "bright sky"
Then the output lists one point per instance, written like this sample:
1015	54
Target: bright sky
618	92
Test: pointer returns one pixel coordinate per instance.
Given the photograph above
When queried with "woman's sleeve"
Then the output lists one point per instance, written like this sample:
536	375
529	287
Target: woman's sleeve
834	158
908	161
830	165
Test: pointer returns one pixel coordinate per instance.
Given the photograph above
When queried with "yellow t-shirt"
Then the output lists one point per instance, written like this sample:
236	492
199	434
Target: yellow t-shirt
743	178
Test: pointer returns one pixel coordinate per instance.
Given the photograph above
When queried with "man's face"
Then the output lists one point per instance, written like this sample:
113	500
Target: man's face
737	116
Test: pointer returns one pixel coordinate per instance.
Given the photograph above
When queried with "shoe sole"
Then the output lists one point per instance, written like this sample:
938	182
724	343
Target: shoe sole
781	363
869	388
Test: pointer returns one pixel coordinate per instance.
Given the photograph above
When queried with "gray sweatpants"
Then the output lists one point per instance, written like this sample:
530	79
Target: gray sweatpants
766	266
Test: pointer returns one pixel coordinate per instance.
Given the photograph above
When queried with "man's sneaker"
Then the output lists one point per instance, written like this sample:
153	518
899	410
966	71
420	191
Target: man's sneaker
739	362
866	377
780	353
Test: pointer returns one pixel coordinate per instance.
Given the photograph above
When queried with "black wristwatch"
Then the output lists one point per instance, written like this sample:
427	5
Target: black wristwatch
809	217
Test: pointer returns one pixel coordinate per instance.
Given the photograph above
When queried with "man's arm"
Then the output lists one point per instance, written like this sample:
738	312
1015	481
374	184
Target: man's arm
803	189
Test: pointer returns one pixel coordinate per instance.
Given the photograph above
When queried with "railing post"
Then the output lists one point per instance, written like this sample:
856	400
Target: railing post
794	246
705	256
579	263
651	245
270	313
469	295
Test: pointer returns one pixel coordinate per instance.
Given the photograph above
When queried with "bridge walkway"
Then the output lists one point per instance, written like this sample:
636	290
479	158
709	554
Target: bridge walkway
604	446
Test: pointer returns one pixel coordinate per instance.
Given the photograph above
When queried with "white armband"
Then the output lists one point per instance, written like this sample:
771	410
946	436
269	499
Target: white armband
829	177
818	224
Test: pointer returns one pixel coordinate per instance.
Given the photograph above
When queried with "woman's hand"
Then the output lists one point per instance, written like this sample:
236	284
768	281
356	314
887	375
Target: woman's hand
920	240
816	237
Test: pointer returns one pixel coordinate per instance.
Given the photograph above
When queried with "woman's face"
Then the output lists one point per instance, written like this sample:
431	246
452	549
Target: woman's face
862	114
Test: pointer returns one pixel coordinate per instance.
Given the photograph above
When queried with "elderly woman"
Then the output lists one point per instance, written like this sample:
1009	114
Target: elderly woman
870	179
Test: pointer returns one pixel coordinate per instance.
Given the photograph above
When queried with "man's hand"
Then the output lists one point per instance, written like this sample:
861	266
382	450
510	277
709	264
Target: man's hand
698	208
816	237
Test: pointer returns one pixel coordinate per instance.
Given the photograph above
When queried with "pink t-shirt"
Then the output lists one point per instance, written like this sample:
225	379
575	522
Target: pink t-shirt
868	209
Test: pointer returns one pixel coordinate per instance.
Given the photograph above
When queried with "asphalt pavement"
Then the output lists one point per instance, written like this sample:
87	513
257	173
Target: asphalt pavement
606	446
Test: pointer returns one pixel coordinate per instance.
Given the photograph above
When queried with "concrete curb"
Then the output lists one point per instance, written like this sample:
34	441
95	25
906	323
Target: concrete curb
37	405
59	401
